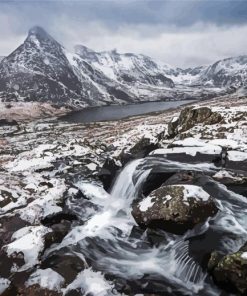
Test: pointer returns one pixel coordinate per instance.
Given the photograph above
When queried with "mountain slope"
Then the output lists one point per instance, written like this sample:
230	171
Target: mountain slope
231	72
126	68
42	70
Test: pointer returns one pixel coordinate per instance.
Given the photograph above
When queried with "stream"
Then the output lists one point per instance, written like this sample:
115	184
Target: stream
132	260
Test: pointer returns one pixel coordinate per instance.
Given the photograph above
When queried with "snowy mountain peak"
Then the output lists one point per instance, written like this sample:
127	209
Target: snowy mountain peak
230	72
36	30
127	68
41	69
38	36
39	33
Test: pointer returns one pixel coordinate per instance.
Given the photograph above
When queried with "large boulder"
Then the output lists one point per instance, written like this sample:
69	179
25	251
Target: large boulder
174	208
191	116
230	271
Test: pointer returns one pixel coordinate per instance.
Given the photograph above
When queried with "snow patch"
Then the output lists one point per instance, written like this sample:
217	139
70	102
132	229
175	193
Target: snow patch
46	278
195	192
29	241
91	283
244	255
4	284
146	203
237	155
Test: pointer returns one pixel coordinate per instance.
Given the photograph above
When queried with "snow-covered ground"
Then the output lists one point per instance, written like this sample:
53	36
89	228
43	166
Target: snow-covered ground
44	162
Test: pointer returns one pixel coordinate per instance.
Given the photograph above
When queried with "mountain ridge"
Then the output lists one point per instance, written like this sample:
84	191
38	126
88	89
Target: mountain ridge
43	70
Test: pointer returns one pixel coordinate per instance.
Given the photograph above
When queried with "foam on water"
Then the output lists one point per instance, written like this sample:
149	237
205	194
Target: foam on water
107	245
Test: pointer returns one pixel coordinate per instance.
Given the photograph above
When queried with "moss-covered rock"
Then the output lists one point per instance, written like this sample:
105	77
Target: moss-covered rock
174	208
190	116
230	271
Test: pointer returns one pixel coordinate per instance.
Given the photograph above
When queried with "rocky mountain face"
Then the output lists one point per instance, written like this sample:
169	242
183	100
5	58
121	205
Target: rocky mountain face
42	70
230	72
126	68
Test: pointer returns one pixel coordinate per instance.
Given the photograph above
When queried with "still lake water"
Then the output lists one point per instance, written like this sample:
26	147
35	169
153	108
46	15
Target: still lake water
115	112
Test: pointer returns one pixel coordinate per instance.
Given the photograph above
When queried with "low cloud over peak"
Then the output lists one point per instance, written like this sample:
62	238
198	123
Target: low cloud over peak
181	33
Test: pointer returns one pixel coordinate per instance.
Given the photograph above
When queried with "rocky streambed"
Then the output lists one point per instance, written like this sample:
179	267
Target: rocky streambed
150	205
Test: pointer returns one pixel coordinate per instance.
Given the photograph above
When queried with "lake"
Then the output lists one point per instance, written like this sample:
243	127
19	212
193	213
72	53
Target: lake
116	112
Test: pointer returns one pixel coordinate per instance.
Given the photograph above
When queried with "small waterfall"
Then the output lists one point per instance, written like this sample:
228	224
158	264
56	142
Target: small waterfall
188	270
106	242
124	187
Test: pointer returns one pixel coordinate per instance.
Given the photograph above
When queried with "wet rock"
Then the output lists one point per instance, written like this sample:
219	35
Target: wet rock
8	122
234	181
18	252
230	271
59	231
8	225
154	180
108	172
36	290
140	149
67	264
230	177
183	177
190	116
174	208
76	292
214	260
57	218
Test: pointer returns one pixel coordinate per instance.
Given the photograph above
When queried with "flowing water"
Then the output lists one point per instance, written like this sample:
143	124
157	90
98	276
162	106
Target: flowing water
143	261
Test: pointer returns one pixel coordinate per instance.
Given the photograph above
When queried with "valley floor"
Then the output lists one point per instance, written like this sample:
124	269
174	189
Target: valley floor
47	164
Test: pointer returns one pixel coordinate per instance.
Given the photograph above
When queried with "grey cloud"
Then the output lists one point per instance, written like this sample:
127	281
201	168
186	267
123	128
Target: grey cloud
183	33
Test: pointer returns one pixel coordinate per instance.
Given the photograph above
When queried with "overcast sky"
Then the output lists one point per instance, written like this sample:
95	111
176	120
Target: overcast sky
182	33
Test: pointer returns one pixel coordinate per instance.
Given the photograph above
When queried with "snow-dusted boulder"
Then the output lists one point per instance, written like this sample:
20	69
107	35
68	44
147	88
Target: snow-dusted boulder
175	208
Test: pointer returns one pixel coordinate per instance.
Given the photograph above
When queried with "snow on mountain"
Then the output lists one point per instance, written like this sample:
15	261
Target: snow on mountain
126	68
42	70
1	58
231	72
184	76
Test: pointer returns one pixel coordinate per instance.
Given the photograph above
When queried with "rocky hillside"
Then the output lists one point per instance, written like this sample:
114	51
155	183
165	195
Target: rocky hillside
126	68
230	72
151	204
42	70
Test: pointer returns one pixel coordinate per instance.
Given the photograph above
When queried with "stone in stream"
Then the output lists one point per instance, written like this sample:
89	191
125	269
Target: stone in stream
108	172
174	208
230	271
65	263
